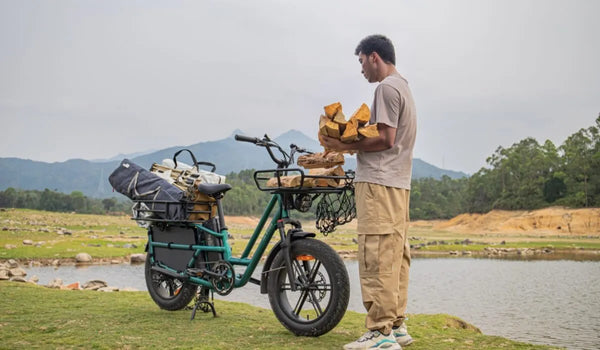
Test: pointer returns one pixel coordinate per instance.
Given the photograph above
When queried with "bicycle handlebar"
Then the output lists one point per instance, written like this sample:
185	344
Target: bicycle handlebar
268	143
243	138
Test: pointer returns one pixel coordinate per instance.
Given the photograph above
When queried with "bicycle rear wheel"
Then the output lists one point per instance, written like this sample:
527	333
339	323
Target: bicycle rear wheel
168	293
323	289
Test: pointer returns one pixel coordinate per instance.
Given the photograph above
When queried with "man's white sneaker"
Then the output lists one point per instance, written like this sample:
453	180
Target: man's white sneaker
374	340
401	335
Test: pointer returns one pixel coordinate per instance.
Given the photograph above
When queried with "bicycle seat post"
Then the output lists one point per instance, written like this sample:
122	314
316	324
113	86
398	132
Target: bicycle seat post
220	212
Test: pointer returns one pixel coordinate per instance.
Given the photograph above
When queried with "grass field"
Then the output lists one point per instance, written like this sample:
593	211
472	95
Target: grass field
37	317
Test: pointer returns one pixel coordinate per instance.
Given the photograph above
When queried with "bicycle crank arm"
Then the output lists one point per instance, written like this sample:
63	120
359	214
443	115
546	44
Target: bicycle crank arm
167	272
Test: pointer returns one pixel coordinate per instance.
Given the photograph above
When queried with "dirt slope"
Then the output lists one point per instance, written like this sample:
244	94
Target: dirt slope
554	220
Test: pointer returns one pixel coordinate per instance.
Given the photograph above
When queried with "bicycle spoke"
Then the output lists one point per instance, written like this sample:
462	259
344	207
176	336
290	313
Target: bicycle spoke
313	272
299	273
312	300
302	299
300	303
307	274
315	303
311	280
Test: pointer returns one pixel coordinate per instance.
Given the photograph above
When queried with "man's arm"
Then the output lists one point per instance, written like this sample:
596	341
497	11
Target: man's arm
385	140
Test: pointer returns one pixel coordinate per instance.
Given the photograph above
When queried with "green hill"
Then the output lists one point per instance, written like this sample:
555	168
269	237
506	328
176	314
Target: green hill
91	177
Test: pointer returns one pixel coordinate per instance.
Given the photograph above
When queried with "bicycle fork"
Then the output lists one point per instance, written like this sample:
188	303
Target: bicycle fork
286	246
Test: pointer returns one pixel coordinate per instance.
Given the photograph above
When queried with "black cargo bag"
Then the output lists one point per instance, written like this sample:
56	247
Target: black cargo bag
177	259
139	184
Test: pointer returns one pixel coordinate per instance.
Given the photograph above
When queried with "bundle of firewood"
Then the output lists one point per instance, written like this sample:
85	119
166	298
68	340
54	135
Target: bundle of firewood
334	123
328	163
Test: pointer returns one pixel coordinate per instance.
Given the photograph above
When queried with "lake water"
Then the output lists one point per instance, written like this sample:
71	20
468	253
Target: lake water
544	302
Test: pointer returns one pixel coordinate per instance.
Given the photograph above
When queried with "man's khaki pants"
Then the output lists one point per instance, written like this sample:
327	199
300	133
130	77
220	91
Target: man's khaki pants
383	253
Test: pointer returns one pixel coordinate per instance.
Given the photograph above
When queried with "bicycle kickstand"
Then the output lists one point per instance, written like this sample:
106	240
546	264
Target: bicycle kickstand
203	304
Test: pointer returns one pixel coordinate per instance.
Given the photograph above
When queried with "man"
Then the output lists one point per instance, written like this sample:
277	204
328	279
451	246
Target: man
383	175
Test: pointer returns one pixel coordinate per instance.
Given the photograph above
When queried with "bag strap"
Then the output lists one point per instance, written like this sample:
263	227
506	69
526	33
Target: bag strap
196	163
132	188
191	154
207	164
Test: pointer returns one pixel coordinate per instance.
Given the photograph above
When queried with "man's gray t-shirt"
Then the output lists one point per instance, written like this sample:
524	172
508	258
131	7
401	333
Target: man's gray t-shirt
393	105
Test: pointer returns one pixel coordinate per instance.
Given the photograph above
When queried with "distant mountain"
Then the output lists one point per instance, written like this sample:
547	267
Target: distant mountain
91	177
73	175
121	156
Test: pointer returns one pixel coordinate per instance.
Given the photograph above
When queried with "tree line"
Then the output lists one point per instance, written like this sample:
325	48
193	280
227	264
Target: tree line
56	201
527	175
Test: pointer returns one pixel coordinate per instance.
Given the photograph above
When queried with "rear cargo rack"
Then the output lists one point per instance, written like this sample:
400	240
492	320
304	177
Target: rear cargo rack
189	212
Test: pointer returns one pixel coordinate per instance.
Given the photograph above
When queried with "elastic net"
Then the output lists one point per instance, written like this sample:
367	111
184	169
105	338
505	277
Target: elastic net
335	209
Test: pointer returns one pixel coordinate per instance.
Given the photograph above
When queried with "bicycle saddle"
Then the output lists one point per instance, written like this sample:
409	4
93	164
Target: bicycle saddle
213	189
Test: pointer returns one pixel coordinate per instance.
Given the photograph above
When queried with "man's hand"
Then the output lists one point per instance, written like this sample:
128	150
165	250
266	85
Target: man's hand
332	144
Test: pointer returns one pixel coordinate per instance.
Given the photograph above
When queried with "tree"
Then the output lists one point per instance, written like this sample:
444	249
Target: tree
78	201
108	203
578	154
8	198
436	199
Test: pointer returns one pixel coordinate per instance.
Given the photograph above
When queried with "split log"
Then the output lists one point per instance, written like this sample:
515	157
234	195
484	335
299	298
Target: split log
369	131
332	109
333	129
286	181
320	160
350	133
325	182
290	181
322	122
340	118
362	115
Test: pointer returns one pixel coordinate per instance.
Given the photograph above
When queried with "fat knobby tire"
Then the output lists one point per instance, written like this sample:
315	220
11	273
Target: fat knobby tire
334	267
177	302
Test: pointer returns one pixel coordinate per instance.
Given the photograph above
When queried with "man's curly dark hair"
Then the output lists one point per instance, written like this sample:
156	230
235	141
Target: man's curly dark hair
380	44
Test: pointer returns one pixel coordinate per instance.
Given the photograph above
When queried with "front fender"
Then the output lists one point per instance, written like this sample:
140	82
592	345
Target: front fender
265	274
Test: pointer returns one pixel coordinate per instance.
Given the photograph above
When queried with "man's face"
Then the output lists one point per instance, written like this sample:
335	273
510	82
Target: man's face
368	67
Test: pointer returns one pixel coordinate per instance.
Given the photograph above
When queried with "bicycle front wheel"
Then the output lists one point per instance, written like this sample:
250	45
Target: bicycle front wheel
322	292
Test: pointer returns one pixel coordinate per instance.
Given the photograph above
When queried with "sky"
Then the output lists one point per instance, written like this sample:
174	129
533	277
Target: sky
93	79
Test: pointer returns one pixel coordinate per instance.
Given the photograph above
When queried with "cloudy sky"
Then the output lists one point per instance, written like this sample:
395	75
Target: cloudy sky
92	79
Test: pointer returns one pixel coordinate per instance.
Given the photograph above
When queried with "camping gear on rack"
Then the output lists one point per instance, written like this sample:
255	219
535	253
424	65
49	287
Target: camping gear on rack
141	185
167	193
187	178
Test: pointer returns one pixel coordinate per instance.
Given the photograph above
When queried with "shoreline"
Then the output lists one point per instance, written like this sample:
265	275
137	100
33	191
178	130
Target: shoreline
508	254
54	239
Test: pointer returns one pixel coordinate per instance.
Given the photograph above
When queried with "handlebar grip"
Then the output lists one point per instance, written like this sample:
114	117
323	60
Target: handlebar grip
243	138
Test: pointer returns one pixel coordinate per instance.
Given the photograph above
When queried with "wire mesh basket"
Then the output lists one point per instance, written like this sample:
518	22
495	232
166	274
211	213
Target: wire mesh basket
335	209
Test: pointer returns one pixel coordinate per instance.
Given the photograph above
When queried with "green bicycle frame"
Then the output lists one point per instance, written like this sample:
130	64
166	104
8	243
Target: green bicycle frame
225	249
